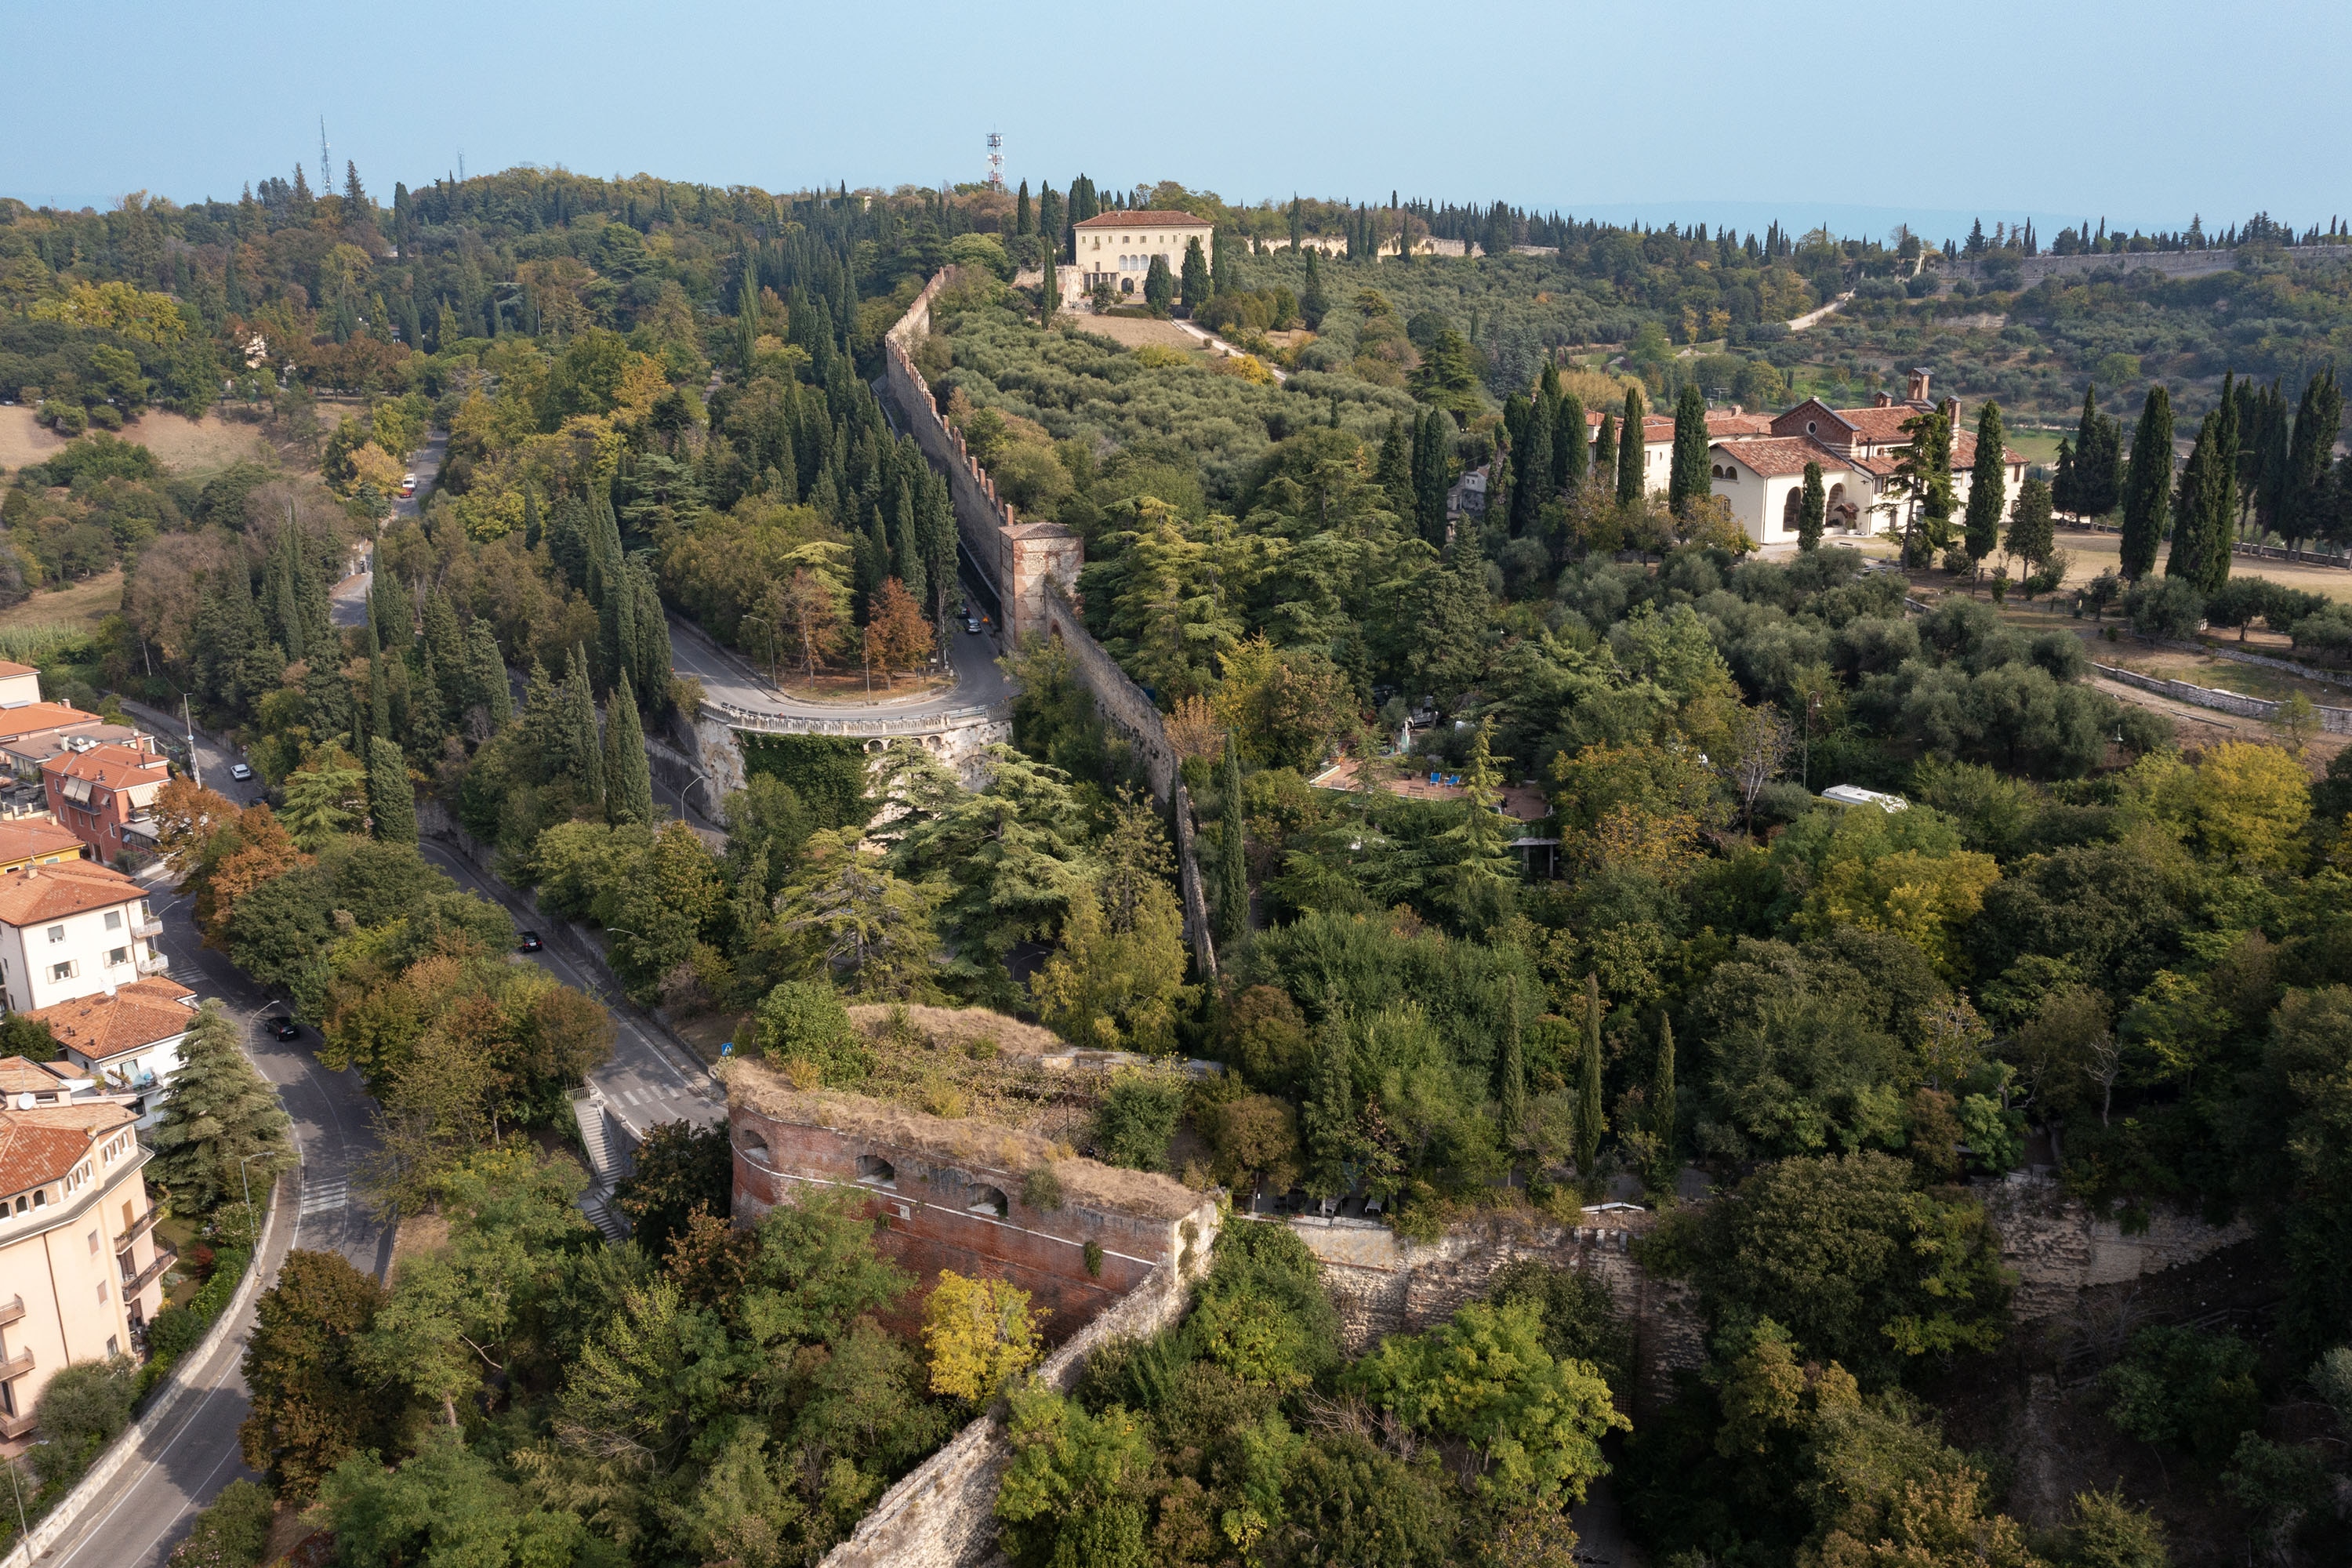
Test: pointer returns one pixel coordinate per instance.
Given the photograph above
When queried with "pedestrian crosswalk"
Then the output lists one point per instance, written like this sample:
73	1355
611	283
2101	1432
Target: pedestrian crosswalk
325	1197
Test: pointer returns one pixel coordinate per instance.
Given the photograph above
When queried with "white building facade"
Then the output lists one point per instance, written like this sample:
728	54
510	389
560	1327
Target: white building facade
1116	249
73	928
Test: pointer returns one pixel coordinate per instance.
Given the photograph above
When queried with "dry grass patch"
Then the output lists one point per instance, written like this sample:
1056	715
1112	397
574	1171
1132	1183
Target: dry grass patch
1135	331
77	607
185	445
969	1064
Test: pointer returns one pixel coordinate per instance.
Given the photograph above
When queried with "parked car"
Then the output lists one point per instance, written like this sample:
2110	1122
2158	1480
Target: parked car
284	1028
529	941
239	772
971	624
407	486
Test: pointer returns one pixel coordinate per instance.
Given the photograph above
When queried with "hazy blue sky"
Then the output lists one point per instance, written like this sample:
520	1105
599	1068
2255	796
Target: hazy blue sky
2144	112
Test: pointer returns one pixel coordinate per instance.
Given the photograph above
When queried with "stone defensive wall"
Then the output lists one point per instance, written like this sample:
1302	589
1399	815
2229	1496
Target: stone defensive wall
1034	567
2032	270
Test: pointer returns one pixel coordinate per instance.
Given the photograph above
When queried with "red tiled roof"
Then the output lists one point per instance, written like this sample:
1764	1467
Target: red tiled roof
1881	427
7	668
1725	422
144	1013
114	765
41	1145
37	716
1147	218
22	1075
25	839
1771	458
35	893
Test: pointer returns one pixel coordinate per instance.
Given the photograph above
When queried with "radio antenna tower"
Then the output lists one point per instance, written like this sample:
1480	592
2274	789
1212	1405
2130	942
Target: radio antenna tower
995	162
326	170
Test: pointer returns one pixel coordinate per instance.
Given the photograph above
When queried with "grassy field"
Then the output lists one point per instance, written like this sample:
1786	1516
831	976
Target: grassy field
185	446
2092	554
77	607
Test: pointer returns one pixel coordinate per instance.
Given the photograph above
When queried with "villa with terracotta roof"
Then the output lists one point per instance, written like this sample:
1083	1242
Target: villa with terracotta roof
128	1041
73	928
1115	249
80	1268
105	795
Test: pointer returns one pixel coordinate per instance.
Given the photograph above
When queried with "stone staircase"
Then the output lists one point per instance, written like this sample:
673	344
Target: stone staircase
597	1139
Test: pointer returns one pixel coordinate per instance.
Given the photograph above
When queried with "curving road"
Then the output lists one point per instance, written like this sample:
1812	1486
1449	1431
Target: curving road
186	1461
727	677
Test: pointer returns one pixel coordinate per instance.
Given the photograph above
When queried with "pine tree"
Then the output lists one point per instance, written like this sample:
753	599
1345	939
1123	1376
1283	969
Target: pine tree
2032	533
1232	864
1432	462
1589	1122
628	773
485	676
2149	487
1630	450
391	799
1689	478
217	1108
1570	457
1988	486
1812	510
428	723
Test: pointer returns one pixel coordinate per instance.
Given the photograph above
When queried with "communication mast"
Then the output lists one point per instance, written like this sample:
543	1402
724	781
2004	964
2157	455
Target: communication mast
326	170
995	162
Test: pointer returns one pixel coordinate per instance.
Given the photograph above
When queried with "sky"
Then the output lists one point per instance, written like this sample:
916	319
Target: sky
1708	111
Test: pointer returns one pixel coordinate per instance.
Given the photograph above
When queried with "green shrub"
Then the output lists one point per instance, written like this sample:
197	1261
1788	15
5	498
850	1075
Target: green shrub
1136	1120
232	1533
804	1021
80	1410
2185	1387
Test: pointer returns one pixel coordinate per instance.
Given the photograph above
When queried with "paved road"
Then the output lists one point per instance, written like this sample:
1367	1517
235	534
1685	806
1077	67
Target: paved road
727	677
646	1081
194	1454
347	600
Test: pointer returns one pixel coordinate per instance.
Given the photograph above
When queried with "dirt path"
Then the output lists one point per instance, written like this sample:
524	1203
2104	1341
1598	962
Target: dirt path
2199	726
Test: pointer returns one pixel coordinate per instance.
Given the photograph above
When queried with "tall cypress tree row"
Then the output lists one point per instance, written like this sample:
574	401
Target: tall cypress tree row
1988	486
653	650
1433	456
587	740
1689	478
2190	530
628	774
2148	490
427	711
1570	457
906	550
1394	472
1629	449
616	628
1604	455
379	713
485	678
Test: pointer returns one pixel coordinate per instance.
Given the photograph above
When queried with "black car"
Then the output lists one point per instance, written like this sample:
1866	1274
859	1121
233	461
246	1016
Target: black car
531	942
284	1028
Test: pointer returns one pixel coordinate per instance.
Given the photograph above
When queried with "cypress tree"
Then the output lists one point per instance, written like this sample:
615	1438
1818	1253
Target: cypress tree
567	540
1629	449
1312	305
485	676
1604	454
2187	558
1570	457
2069	494
1195	276
1589	1122
616	628
1531	468
1393	473
585	740
2062	482
628	774
2220	492
1232	865
1813	508
531	517
2032	536
654	657
1021	210
1049	291
1513	1068
1433	456
2149	486
428	710
2304	499
905	550
1159	287
1988	486
391	799
1662	1105
1689	478
379	713
1221	264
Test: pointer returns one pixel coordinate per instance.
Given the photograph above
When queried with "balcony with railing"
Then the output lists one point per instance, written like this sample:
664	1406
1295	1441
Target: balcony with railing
134	1283
153	963
12	1311
17	1365
143	926
139	1228
15	1426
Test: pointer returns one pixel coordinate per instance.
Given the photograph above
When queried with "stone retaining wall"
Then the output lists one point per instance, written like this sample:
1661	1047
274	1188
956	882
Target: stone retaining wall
2032	270
1384	1284
2057	1247
2334	720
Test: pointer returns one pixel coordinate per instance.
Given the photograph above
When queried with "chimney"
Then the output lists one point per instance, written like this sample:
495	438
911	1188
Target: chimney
1881	400
1918	391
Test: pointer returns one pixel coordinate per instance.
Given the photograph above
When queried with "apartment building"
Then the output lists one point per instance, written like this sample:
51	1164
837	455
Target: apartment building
80	1270
105	795
126	1044
37	841
73	928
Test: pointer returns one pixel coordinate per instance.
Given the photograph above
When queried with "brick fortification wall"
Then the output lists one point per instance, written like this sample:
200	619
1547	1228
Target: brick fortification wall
1382	1283
1035	567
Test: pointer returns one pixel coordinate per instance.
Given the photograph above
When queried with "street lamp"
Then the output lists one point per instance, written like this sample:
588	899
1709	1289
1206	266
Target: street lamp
247	1181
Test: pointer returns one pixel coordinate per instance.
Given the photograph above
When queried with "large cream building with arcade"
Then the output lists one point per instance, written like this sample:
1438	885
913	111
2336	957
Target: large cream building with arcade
1115	249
